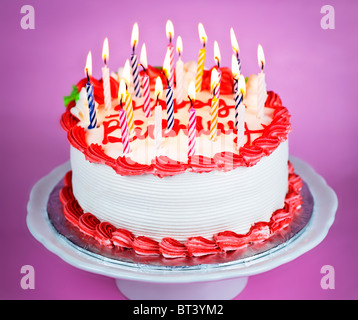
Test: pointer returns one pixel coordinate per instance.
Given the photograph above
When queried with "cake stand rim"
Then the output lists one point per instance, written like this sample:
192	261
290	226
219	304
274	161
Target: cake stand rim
325	203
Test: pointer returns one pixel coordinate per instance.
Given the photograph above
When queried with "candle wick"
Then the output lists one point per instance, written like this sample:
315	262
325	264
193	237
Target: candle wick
88	79
191	101
121	103
158	99
105	61
145	70
133	49
214	91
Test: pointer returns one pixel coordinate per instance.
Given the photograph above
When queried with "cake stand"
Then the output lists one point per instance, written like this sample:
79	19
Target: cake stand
205	281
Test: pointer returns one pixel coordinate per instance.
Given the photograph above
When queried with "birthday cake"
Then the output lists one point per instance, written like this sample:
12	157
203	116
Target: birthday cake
178	161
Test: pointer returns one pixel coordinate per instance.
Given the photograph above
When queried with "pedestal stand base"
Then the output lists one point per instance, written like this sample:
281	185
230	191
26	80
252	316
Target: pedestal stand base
213	290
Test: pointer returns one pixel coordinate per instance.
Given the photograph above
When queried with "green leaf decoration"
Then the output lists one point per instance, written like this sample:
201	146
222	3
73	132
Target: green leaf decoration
246	79
74	96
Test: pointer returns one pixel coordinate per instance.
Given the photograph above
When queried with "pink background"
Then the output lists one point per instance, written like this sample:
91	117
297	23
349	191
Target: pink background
313	70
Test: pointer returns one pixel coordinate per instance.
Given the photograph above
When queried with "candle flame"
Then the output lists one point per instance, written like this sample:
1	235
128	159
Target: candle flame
191	90
179	45
235	69
127	73
158	87
234	43
169	29
143	56
135	36
217	55
242	85
88	68
105	50
260	56
202	34
121	90
214	79
166	64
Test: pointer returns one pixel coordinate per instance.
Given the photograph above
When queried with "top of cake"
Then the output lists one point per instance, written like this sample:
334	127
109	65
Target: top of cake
179	118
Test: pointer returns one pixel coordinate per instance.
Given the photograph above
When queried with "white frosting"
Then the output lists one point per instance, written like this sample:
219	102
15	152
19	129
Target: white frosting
188	204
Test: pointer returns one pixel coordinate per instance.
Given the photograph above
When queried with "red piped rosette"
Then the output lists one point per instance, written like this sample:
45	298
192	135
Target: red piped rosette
196	246
250	154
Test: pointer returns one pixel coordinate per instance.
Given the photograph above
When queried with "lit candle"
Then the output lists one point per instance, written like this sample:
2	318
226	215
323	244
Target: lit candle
105	76
169	93
158	115
217	58
123	118
240	107
261	90
128	105
236	74
192	121
145	82
90	96
134	60
179	70
201	59
214	105
170	35
235	47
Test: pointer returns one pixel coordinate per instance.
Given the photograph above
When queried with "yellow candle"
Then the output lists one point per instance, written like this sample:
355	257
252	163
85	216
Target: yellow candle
214	105
128	105
201	60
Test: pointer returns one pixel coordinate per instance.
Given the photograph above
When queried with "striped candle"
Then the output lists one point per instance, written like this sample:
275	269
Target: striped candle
128	106
145	81
192	132
217	90
146	95
171	56
124	131
261	90
262	95
106	88
238	101
214	118
158	127
105	76
179	72
240	111
90	96
201	60
235	47
170	107
169	29
200	69
135	74
134	60
91	106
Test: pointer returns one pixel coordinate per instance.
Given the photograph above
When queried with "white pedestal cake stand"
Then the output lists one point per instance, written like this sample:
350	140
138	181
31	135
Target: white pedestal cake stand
221	281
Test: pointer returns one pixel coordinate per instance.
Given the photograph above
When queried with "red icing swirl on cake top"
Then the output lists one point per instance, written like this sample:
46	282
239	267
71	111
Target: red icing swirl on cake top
249	154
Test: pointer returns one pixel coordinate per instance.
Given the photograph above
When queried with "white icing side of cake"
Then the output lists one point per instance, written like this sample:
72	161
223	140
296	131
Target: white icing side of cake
184	205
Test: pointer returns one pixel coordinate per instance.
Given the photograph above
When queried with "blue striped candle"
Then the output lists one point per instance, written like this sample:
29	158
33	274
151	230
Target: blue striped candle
170	107
238	100
91	106
135	73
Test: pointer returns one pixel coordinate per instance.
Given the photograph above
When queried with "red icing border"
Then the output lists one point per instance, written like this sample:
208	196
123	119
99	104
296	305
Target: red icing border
107	235
250	154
